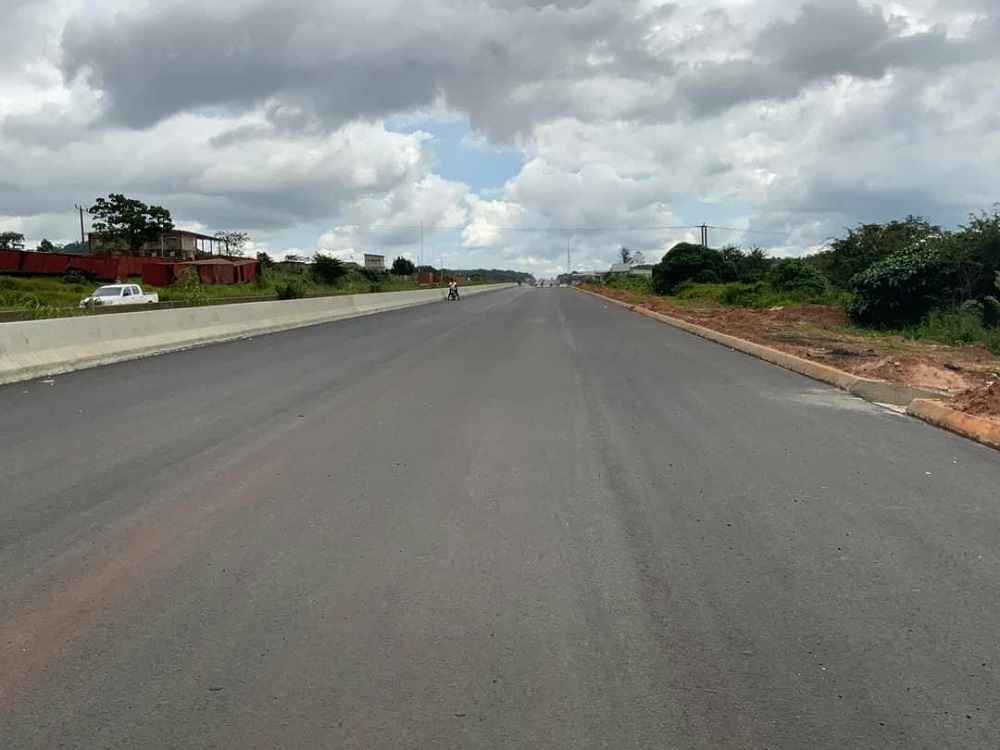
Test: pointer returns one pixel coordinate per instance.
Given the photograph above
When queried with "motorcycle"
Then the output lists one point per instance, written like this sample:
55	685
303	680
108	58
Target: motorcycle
452	294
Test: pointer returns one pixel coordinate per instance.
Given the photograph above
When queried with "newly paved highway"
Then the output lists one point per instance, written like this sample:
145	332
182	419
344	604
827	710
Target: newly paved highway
527	520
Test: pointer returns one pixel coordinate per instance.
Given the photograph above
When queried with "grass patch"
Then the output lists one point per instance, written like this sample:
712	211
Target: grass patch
53	296
955	328
632	283
757	296
40	297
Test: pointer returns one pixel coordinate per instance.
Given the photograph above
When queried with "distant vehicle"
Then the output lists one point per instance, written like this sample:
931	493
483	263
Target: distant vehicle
119	294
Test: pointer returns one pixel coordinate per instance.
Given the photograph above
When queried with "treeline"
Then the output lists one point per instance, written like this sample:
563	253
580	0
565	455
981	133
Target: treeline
891	275
492	275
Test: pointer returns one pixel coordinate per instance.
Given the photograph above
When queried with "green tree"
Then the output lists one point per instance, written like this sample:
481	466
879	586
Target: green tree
47	247
129	222
797	275
78	248
266	261
686	262
975	251
233	242
403	267
869	243
904	287
11	241
732	263
328	270
756	266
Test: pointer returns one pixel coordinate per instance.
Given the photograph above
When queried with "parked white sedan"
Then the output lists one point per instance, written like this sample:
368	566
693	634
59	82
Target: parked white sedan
119	294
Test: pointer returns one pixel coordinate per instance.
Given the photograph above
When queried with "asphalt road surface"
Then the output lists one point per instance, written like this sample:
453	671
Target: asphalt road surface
526	520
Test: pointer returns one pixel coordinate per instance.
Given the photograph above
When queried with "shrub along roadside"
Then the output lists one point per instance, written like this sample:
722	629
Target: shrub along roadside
955	328
635	283
759	295
907	274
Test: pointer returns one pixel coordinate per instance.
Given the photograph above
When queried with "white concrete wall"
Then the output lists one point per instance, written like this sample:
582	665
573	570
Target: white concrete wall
37	348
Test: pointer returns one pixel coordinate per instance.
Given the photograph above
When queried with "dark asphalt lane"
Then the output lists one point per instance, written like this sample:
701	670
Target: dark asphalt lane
531	519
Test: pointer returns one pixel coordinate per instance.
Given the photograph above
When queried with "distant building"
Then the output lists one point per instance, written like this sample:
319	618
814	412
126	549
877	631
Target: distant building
643	270
578	276
620	269
176	243
374	262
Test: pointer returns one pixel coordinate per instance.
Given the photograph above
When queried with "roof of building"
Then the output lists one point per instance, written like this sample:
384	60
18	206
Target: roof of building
184	232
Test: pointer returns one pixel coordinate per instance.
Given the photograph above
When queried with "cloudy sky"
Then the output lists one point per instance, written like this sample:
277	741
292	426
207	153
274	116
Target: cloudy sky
511	129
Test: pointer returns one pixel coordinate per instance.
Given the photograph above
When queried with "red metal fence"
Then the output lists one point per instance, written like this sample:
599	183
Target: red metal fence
154	271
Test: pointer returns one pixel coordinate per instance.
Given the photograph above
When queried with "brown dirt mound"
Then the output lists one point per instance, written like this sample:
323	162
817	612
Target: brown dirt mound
981	401
918	371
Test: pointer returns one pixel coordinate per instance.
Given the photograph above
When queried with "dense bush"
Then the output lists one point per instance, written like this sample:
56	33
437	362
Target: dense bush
954	273
745	295
956	327
403	266
869	243
75	277
706	276
991	310
757	295
904	287
292	289
328	270
375	276
685	262
796	275
690	290
746	267
631	282
975	253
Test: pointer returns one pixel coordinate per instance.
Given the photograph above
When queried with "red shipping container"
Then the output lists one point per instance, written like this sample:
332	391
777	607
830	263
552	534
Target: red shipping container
45	263
247	270
157	274
10	260
101	267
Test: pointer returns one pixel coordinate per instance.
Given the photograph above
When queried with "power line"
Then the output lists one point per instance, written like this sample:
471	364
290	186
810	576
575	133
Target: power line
505	228
607	229
787	235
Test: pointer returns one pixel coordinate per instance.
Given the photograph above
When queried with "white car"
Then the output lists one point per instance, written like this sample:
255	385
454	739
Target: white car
119	294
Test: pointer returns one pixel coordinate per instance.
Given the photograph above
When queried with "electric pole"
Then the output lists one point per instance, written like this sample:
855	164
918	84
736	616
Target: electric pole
80	209
704	235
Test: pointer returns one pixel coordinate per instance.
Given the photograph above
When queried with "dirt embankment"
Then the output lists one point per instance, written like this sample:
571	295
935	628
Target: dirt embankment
968	375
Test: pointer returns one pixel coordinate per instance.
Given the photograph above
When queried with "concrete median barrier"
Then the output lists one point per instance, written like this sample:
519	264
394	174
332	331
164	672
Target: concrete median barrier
30	349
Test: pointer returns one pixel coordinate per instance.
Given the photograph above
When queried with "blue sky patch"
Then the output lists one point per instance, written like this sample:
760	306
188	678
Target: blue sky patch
463	156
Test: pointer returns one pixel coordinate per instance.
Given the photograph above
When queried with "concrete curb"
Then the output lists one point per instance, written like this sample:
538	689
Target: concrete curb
967	425
39	348
921	403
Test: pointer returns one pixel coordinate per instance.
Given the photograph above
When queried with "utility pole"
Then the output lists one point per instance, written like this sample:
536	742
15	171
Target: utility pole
420	260
569	262
80	209
704	235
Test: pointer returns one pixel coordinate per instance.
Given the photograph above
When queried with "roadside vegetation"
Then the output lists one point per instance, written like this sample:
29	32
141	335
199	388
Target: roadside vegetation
31	297
907	277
